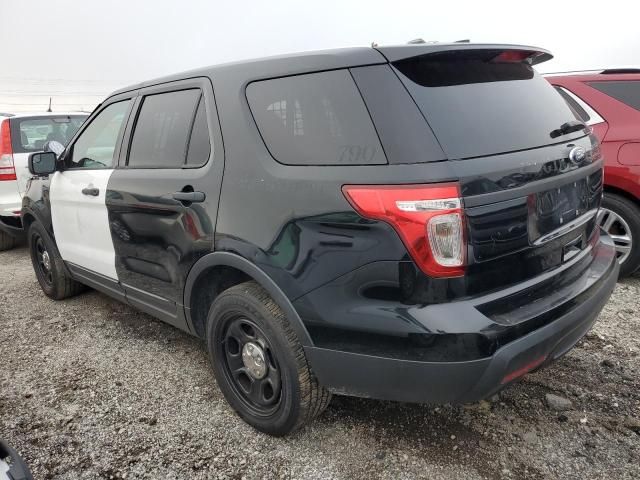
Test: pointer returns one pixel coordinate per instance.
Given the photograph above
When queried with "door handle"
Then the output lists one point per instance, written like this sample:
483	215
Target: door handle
189	197
91	191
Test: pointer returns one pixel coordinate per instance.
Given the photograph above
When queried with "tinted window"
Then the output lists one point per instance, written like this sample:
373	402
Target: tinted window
479	106
316	119
199	144
31	134
95	147
405	135
582	113
626	92
162	129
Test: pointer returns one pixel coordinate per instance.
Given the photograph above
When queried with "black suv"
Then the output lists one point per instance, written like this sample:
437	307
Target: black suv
413	223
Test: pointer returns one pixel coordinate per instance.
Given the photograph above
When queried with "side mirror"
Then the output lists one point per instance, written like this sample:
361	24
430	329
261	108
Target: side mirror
42	163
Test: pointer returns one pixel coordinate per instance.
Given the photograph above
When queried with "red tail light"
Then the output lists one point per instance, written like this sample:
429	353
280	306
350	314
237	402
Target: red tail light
7	169
428	218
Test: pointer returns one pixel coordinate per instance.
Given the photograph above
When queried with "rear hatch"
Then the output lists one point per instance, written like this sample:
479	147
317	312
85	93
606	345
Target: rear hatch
530	173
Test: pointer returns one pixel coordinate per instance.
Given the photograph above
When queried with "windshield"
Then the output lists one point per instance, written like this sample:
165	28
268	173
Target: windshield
478	106
30	134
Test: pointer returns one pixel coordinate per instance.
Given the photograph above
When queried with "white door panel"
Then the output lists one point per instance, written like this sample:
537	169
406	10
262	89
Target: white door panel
80	222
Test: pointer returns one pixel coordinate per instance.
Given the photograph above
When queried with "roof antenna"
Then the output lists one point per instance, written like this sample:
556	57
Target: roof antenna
416	41
49	109
466	40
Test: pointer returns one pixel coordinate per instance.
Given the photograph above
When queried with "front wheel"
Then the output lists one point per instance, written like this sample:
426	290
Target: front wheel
49	267
620	218
259	363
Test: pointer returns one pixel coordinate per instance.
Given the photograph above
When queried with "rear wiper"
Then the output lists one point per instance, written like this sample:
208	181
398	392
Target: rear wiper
569	127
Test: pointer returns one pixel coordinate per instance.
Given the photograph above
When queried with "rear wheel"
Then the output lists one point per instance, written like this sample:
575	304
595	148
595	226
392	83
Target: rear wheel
620	218
7	242
48	266
259	363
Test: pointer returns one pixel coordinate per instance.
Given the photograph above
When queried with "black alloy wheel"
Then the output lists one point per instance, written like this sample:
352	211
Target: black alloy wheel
43	260
259	363
250	365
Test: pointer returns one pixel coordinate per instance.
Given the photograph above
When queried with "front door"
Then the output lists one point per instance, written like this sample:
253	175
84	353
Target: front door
77	194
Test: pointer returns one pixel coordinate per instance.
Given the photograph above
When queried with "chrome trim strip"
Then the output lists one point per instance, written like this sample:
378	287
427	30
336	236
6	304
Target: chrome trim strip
558	232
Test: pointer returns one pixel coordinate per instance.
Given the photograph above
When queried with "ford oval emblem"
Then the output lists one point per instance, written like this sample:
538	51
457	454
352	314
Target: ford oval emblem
577	155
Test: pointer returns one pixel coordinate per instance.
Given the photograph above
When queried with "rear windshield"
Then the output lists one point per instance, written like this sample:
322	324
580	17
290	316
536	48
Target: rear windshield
478	106
31	134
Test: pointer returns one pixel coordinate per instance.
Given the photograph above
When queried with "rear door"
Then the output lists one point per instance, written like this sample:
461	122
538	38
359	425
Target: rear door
78	193
162	199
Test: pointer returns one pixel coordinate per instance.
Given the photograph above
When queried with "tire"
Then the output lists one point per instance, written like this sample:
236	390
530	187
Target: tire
620	218
7	242
49	267
287	396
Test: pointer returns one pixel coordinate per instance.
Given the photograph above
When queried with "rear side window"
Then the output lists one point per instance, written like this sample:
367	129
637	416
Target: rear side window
315	119
163	128
31	134
627	92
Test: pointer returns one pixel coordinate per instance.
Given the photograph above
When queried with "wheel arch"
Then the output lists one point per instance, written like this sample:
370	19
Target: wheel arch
27	219
622	193
216	272
30	217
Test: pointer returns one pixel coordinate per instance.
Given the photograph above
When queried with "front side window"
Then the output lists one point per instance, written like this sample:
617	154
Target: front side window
315	119
96	145
162	131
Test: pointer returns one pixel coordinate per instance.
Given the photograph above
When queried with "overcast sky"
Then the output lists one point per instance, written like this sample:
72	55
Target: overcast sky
79	50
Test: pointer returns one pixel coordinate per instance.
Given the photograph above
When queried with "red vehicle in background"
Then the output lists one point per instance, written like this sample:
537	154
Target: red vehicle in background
609	101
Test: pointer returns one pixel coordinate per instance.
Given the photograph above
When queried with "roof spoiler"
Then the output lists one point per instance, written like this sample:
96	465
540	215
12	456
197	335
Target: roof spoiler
508	53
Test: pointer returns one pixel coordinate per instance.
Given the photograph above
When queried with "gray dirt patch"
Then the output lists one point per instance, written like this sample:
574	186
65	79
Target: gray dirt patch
90	388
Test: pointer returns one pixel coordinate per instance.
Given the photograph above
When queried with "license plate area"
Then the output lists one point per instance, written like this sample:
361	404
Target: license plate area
558	211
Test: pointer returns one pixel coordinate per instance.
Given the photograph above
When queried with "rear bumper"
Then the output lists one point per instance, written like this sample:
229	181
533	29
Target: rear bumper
383	377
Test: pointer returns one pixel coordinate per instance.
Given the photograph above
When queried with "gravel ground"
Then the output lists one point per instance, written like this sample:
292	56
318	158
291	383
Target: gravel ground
91	388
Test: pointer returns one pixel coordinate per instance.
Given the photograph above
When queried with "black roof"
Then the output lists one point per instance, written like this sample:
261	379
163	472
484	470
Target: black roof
245	71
